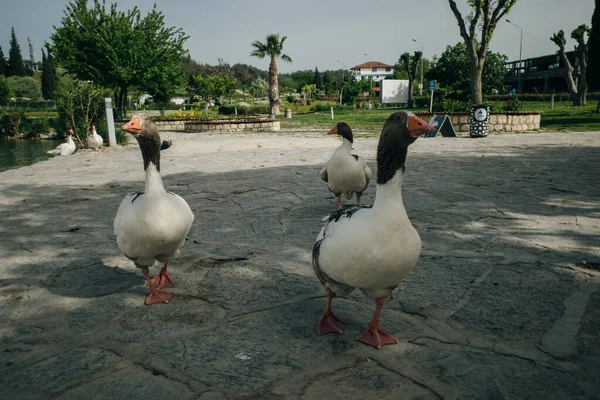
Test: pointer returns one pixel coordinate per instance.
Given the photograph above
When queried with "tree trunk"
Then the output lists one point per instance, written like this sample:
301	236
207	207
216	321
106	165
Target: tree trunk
411	96
582	86
125	97
273	87
569	77
206	109
476	74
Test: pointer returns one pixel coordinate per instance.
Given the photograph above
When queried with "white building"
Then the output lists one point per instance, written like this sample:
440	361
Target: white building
374	69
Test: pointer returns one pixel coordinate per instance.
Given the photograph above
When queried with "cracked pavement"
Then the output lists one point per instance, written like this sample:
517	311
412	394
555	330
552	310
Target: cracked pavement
504	301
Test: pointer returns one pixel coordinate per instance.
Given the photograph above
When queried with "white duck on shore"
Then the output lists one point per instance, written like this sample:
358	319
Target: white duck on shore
94	141
345	173
372	248
64	149
152	225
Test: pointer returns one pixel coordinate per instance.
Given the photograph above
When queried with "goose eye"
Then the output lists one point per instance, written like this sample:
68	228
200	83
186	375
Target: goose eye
398	116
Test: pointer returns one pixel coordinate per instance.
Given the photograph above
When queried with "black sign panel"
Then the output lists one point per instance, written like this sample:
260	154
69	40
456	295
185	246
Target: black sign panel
443	124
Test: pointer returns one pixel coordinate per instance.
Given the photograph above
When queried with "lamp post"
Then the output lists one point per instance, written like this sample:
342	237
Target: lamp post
370	77
343	76
520	55
421	86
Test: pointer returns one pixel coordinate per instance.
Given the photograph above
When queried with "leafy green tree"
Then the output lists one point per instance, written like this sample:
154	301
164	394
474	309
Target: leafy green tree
3	63
160	87
578	91
246	74
210	88
272	48
25	87
80	108
116	49
449	70
5	91
49	76
410	64
483	19
230	84
594	53
308	90
15	66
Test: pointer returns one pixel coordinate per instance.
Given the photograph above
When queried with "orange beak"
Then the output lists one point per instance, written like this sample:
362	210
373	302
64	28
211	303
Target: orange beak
417	127
134	126
333	131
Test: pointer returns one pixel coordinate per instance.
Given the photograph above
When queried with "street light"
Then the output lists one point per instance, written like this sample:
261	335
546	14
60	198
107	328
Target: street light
343	76
421	87
370	77
520	56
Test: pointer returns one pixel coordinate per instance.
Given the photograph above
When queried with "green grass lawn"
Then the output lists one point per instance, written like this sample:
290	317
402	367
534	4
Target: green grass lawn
563	118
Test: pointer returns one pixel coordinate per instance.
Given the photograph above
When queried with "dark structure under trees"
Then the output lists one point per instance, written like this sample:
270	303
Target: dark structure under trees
593	75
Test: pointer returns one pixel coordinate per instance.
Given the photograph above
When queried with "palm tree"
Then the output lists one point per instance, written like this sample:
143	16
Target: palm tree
272	47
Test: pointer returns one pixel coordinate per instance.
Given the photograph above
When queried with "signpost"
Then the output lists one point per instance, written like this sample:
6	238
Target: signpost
110	122
431	89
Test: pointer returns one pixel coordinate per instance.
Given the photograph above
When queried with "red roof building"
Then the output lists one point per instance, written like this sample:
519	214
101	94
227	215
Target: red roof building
372	69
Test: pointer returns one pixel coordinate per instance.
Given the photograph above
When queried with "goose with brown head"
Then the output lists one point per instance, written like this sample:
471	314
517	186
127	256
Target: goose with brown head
152	225
345	173
372	248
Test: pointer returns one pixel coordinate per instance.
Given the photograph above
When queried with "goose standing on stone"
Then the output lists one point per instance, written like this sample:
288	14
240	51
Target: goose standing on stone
152	225
374	247
64	149
94	140
345	173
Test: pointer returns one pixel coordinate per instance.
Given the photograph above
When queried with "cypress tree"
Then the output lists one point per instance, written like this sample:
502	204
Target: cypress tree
318	79
16	67
49	76
3	63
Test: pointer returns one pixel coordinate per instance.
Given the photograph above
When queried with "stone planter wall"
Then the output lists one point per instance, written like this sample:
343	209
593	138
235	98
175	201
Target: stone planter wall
170	125
505	122
245	125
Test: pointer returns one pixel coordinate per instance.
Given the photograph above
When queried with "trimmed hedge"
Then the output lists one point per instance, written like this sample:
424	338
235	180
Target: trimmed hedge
229	109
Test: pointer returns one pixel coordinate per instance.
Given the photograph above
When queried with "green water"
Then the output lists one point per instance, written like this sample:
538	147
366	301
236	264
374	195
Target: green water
19	153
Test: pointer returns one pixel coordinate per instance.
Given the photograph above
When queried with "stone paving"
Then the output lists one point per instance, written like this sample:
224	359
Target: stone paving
503	304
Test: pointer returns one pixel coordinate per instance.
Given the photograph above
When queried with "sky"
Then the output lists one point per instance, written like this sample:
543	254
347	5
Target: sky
325	34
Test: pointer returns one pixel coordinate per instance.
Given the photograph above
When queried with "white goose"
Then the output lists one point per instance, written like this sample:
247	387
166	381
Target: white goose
345	173
94	140
372	248
152	225
64	149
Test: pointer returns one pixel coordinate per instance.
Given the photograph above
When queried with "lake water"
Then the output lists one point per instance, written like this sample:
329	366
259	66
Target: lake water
18	153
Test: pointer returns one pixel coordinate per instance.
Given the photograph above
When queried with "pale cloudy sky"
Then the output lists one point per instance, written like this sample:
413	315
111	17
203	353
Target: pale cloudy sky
319	32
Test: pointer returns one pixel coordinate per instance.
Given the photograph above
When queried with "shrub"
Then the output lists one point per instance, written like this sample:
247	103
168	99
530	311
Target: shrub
35	125
25	87
229	109
513	104
10	122
80	108
260	109
5	91
290	99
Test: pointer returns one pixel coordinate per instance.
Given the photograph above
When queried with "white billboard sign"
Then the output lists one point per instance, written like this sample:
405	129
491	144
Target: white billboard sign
394	91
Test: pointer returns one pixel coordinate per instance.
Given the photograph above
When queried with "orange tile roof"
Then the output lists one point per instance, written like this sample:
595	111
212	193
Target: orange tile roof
372	64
